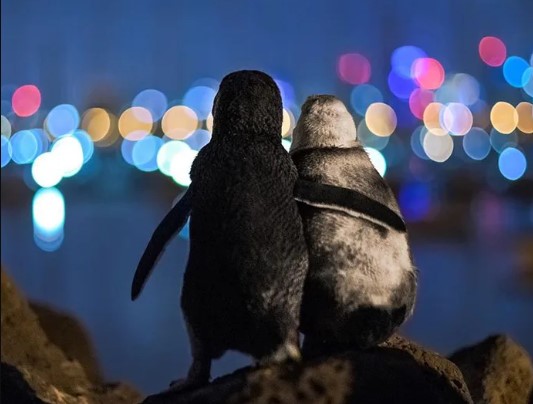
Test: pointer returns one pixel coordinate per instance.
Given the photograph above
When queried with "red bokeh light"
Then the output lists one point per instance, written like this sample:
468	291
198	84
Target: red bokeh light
492	51
26	100
419	100
354	68
428	73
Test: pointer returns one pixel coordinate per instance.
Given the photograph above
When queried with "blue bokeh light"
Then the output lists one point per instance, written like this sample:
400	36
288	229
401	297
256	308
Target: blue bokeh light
513	71
126	149
200	99
400	86
198	139
288	96
417	142
512	163
62	120
378	160
153	100
415	200
476	144
48	211
25	146
364	95
6	151
403	57
500	141
144	153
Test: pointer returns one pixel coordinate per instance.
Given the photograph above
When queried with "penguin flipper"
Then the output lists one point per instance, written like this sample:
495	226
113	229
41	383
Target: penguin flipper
173	222
348	201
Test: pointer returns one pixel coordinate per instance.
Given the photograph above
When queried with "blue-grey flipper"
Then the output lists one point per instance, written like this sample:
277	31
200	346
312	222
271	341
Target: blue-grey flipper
346	200
173	222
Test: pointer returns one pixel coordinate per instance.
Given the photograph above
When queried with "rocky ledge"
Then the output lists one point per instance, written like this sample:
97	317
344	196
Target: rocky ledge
40	365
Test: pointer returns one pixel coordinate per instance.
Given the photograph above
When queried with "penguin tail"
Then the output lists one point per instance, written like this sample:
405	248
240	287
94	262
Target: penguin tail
172	223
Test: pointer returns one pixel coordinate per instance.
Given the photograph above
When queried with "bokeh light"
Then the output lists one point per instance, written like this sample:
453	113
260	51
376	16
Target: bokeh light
513	71
381	119
504	117
135	123
46	170
438	148
428	73
415	200
62	120
288	123
209	123
476	144
402	59
286	143
362	96
200	99
512	163
400	86
144	153
6	151
6	127
152	100
354	68
288	96
69	154
86	143
180	166
377	159
198	139
25	146
167	152
368	139
431	118
419	100
492	51
527	78
26	100
456	118
466	88
525	117
179	122
48	213
417	142
126	150
97	123
500	141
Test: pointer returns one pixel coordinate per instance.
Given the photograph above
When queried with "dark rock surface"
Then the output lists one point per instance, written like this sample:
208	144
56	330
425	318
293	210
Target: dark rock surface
35	370
399	371
496	370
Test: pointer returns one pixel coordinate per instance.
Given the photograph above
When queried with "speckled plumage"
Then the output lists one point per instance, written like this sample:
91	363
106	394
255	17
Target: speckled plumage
361	283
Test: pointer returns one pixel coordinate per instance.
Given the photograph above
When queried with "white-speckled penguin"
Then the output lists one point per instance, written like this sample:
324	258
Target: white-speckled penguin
243	283
361	284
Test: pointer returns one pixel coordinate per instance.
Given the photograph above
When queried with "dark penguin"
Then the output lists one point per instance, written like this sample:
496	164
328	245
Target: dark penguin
361	284
243	283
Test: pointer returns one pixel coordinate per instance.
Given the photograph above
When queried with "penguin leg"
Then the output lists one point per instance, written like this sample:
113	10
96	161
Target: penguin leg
200	369
288	350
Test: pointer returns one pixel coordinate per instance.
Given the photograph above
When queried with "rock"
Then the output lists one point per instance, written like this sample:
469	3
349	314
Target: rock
69	335
39	371
497	371
396	372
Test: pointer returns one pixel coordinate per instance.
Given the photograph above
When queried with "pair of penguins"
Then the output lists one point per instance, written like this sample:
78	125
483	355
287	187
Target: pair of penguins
310	240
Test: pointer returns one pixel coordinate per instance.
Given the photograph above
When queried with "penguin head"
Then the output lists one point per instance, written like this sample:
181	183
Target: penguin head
248	103
324	122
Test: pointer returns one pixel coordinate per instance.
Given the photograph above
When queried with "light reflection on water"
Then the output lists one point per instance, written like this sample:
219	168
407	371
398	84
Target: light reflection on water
465	293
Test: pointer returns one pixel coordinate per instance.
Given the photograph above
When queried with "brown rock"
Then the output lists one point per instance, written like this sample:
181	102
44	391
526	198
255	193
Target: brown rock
397	372
37	369
497	371
68	334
